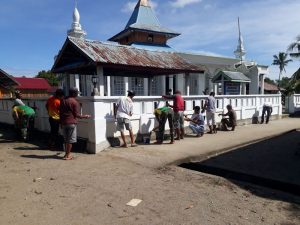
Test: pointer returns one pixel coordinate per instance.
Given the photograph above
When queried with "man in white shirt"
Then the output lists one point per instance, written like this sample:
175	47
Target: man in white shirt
124	108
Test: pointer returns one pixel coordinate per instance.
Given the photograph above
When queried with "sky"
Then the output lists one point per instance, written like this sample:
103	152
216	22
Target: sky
32	32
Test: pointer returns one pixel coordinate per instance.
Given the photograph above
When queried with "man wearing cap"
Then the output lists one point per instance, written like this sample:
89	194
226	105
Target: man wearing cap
124	107
69	112
52	107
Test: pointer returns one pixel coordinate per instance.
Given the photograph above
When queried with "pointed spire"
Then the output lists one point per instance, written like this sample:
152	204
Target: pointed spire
76	30
240	52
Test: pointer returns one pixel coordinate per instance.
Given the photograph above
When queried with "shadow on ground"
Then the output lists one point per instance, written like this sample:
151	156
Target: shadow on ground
273	163
38	141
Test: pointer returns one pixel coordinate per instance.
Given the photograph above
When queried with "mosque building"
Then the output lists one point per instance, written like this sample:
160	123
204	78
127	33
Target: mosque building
139	58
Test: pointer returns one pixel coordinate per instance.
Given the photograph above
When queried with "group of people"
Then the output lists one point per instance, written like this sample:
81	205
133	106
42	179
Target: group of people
64	112
175	116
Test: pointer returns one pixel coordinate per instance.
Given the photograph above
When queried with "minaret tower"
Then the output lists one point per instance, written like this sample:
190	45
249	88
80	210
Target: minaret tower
240	52
76	30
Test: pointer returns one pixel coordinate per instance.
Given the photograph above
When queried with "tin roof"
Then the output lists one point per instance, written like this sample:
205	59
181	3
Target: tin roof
270	87
143	18
26	83
6	80
116	59
231	76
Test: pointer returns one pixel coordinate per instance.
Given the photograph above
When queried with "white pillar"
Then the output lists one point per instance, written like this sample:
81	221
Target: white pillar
101	84
187	83
262	84
162	84
171	83
126	83
243	88
108	86
147	81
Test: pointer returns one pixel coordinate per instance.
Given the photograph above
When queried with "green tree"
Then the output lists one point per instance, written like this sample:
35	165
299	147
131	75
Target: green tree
270	81
295	46
49	76
281	61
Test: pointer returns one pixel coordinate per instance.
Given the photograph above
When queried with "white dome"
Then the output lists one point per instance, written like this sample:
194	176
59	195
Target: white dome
76	16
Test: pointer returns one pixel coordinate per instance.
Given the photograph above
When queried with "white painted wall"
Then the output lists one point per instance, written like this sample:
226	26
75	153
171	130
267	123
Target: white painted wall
102	124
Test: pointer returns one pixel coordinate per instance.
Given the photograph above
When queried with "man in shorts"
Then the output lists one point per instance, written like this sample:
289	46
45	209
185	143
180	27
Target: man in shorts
69	112
210	107
178	108
124	107
231	120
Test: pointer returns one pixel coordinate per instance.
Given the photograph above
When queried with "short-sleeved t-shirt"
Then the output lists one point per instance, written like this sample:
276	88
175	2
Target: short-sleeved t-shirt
211	104
53	105
125	107
18	102
198	117
24	110
232	117
69	111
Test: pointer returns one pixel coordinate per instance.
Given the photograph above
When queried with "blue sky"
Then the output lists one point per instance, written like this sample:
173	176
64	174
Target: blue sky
32	32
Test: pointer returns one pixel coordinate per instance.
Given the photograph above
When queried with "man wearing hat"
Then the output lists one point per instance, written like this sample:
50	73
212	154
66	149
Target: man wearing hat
124	107
69	112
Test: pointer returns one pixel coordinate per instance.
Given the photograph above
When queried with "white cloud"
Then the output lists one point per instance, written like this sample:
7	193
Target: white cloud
183	3
265	33
128	7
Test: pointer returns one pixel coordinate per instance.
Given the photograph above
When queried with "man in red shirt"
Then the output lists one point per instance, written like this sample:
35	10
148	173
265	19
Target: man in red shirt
69	113
178	108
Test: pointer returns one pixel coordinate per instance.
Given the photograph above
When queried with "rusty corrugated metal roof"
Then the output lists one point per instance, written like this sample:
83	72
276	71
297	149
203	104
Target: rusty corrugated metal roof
6	80
111	53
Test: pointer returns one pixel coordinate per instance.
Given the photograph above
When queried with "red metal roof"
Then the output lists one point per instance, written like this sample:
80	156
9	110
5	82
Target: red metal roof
32	83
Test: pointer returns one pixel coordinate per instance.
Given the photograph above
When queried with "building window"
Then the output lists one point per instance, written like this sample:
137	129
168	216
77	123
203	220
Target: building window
118	86
155	84
137	85
150	38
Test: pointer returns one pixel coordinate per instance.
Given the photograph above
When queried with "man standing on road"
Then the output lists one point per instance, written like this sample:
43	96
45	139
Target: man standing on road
52	107
124	108
267	108
69	113
210	107
178	108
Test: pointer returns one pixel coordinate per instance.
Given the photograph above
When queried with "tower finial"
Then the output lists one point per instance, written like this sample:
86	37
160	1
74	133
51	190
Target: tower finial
76	30
144	3
240	52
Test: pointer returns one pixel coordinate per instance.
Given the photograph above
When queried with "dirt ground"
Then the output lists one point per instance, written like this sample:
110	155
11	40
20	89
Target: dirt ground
38	188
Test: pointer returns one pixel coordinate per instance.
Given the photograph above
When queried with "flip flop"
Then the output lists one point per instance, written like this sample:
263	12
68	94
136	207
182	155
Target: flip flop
68	158
134	145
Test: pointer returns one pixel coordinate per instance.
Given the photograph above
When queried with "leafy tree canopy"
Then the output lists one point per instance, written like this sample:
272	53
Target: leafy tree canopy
49	76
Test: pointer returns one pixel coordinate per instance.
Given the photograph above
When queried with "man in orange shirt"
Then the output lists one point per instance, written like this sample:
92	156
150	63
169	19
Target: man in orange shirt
52	107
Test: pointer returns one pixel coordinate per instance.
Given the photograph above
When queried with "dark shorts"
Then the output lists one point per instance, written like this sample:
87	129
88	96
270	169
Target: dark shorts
54	126
70	133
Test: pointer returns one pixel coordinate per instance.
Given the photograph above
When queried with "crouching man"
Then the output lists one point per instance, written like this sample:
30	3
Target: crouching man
231	120
197	122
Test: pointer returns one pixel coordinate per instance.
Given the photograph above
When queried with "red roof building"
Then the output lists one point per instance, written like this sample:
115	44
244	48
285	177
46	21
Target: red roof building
33	87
